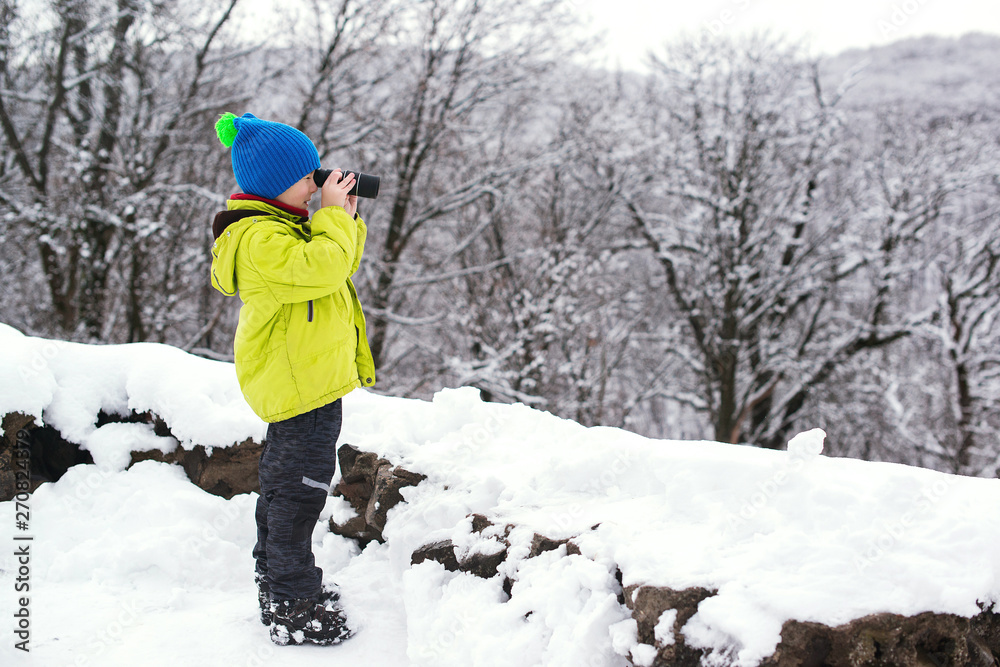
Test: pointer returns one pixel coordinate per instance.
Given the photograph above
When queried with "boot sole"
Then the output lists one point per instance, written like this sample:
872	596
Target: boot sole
282	636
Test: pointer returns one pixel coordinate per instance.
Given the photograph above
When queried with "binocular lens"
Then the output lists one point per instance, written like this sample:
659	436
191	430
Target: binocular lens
365	185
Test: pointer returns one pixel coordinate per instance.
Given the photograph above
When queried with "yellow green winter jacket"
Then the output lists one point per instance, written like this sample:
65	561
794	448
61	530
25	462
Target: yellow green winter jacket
301	340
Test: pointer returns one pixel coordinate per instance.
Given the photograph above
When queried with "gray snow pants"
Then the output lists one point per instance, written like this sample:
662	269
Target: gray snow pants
296	468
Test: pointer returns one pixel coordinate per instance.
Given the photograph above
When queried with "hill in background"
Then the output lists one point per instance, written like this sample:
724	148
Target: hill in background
947	74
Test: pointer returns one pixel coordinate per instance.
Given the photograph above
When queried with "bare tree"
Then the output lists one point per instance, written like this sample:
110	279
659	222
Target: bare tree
944	387
758	257
338	100
553	325
473	65
95	111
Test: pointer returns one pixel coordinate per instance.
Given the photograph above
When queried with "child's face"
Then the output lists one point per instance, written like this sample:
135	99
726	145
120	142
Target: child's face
300	192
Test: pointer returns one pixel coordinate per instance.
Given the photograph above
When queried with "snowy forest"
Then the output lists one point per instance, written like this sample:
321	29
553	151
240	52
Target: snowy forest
737	244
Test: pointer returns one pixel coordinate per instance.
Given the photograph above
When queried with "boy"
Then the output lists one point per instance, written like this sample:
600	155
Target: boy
300	346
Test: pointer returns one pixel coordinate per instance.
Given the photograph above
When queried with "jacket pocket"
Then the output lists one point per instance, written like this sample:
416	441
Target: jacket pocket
343	308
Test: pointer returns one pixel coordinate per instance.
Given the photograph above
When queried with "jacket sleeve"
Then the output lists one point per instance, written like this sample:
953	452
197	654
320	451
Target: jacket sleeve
295	270
360	248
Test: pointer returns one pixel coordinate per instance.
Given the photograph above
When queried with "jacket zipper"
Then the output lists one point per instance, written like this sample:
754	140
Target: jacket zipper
310	310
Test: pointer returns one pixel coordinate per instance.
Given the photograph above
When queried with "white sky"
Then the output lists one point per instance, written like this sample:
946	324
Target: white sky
634	26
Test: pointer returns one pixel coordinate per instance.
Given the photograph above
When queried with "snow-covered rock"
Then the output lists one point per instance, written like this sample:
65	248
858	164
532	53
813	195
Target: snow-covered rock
596	546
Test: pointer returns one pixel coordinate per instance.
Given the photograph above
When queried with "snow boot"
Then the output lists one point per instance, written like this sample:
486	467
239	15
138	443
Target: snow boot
312	621
329	597
263	598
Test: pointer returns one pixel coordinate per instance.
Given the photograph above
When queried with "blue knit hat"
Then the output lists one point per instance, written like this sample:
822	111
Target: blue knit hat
267	157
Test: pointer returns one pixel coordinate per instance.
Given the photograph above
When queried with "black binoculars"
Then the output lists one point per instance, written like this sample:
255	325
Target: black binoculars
365	185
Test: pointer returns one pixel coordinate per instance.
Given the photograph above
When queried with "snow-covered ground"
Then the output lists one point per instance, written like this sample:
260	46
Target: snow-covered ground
139	566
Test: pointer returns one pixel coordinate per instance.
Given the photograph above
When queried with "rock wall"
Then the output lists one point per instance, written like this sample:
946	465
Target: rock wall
223	471
879	640
15	427
371	485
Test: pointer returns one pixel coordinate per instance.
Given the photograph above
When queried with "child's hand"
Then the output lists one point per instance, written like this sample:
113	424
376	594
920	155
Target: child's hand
335	194
352	205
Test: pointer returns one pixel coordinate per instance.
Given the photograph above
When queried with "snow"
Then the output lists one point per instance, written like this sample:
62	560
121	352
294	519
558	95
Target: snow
140	566
664	629
70	382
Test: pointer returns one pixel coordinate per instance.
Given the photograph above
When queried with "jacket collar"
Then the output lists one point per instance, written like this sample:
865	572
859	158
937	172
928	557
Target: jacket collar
293	210
242	206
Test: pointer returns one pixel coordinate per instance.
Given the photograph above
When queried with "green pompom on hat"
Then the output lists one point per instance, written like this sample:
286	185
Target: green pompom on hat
226	129
268	157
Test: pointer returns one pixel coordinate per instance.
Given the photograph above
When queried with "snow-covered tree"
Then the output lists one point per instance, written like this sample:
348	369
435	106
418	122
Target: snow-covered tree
552	325
943	389
463	71
741	201
102	106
